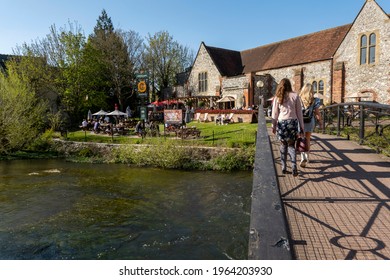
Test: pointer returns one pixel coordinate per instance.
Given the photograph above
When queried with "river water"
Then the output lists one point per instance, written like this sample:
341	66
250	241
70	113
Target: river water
53	209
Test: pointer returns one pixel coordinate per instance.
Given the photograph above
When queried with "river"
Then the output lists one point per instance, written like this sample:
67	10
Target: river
53	209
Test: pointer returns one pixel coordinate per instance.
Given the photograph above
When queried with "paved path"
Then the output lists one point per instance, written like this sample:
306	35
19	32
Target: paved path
339	205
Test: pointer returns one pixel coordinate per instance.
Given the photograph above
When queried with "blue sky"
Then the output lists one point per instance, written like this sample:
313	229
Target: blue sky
236	25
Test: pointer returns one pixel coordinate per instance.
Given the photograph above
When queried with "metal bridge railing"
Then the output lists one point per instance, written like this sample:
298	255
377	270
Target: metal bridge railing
268	235
367	122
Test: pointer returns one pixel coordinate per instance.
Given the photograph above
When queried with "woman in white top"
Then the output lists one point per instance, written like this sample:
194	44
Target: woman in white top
286	120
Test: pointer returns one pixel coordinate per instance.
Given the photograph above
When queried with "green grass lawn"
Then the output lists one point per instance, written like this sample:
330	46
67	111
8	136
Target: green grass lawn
231	135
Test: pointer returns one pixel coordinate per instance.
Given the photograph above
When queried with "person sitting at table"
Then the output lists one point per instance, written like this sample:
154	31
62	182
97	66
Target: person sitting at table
139	129
183	124
218	119
90	125
155	130
96	127
109	129
84	125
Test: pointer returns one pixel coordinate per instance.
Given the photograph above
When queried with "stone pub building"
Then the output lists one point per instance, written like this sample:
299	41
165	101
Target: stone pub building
342	63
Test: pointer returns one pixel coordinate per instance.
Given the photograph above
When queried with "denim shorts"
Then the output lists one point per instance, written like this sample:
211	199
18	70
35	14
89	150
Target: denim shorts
309	127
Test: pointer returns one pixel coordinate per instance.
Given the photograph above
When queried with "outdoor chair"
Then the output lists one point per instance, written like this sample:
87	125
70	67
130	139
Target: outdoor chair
229	119
197	117
205	118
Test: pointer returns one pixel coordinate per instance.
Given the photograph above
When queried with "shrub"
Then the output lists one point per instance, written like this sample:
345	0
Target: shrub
43	142
163	156
177	157
21	113
241	159
85	152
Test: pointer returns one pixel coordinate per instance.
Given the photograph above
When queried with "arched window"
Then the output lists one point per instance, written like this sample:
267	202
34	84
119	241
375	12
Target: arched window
318	88
363	50
371	57
368	43
321	86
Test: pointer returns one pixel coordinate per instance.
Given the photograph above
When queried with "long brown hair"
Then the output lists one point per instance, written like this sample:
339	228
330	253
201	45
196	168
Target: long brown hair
283	88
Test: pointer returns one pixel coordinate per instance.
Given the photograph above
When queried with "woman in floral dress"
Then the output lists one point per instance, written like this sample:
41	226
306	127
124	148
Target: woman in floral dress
287	120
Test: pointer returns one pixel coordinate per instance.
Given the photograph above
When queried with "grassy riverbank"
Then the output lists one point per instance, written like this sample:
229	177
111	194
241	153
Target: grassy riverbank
236	135
223	148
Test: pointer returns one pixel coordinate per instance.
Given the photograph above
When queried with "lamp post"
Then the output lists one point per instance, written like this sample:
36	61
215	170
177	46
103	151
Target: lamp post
260	85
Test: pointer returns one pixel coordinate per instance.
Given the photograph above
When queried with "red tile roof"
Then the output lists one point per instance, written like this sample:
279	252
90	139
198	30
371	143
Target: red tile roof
313	47
309	48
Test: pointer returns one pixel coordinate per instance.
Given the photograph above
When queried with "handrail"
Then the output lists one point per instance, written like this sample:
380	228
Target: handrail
367	104
268	236
367	118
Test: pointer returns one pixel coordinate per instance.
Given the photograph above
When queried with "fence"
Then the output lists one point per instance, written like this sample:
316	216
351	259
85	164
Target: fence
366	122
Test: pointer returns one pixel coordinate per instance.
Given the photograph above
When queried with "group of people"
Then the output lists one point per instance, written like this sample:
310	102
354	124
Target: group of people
288	122
102	125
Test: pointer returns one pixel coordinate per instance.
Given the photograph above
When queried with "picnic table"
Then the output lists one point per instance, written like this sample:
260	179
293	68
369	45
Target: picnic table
186	132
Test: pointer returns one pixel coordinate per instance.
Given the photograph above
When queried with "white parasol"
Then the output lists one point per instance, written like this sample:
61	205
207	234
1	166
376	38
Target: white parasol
116	113
226	99
100	113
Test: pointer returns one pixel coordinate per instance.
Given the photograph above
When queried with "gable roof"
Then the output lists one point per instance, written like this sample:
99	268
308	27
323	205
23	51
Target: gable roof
313	47
181	78
318	46
228	62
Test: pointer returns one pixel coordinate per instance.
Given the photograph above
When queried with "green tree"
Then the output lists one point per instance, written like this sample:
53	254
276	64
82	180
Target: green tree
21	112
59	65
113	60
74	94
104	25
164	58
135	49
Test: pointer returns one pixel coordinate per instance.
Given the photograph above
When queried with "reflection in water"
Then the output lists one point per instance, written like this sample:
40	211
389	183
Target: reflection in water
53	209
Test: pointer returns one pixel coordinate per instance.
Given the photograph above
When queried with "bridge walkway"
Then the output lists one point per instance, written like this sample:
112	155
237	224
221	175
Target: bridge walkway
339	205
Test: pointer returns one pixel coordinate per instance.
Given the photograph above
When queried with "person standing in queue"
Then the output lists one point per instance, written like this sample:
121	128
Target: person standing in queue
287	121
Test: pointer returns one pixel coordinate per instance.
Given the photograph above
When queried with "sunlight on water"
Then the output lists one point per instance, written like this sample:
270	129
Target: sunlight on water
59	210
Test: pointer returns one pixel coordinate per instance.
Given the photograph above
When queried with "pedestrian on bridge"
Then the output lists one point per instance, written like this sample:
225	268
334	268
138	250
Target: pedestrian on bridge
287	122
313	104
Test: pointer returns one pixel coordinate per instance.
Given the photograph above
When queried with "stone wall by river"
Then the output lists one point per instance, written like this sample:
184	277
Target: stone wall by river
70	147
165	156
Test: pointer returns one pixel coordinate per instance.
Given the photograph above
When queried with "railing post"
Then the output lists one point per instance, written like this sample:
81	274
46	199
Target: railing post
323	121
361	131
338	121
